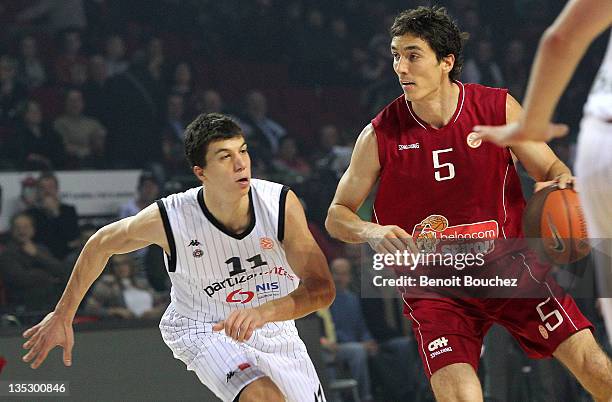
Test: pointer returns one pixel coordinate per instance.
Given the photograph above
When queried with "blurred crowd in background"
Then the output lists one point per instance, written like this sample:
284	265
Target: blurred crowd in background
110	84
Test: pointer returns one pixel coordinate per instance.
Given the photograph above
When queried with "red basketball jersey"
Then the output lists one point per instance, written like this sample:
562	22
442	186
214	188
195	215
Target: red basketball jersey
438	183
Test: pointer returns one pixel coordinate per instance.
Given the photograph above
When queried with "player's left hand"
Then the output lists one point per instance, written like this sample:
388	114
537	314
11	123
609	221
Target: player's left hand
516	132
240	324
563	181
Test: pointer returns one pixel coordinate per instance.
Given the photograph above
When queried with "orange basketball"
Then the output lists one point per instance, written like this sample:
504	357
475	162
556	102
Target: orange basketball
554	224
437	222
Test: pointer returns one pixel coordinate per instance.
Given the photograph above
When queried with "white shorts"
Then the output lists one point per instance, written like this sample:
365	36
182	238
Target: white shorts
594	181
226	366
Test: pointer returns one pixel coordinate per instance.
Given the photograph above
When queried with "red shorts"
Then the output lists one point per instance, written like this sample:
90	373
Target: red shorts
452	330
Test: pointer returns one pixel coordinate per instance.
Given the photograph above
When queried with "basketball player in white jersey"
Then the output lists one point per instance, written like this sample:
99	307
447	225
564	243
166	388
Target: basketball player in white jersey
561	48
243	266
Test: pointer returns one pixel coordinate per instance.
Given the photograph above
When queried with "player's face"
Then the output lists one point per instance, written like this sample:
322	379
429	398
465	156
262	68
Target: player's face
419	72
228	166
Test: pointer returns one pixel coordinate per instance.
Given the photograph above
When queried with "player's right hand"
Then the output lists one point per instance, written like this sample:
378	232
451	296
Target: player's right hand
54	330
389	239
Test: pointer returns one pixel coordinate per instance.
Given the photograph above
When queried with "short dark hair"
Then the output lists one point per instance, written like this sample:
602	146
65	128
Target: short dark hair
47	174
437	28
205	129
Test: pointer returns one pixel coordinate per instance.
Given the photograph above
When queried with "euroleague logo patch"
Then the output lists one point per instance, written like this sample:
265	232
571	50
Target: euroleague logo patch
472	141
543	332
266	243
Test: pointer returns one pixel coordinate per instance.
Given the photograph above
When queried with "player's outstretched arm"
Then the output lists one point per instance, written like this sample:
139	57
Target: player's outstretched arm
561	48
316	289
120	237
342	221
538	159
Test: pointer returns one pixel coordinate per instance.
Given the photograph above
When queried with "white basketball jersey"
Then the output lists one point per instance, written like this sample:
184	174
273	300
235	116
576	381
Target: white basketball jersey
213	271
599	102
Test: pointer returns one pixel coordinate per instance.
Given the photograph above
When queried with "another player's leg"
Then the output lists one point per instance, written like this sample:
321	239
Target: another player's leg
581	354
594	172
457	382
262	389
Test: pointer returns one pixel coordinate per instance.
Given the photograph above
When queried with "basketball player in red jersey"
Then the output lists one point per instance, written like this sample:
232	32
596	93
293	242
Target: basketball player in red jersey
432	172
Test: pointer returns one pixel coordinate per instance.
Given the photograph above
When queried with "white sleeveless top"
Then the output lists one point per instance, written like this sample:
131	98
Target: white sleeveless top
213	271
599	102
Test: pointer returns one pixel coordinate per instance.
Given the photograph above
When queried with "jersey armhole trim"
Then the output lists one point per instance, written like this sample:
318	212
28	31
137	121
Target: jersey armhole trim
281	213
169	235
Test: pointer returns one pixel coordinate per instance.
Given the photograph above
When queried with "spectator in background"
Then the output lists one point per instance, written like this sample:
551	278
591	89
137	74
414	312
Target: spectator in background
175	117
56	223
516	69
207	101
84	137
31	69
341	49
35	145
383	313
78	75
482	68
172	136
94	90
354	340
182	83
71	54
86	231
147	192
332	156
135	138
56	14
32	276
12	92
263	133
290	168
114	55
28	194
121	294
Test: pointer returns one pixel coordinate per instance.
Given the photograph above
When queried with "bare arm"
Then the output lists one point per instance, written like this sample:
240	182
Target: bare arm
120	237
342	221
315	291
356	183
561	48
538	159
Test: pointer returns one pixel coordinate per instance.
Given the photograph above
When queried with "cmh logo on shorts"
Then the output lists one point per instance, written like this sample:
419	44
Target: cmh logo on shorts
437	344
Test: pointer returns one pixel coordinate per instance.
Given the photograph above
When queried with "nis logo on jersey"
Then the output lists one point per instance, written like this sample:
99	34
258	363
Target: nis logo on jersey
262	291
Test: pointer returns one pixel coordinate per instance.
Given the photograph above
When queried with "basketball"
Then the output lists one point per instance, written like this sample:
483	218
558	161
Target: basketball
555	227
437	222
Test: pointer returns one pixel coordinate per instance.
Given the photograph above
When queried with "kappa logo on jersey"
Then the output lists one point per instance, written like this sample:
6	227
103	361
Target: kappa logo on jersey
194	243
472	141
266	243
435	229
238	296
403	147
241	367
435	345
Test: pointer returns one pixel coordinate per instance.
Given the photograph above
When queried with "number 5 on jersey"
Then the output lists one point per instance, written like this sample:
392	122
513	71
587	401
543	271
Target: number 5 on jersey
438	166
